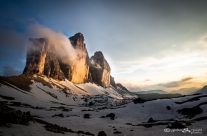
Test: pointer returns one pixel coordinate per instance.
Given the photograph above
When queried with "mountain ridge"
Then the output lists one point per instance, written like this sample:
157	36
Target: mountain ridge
42	59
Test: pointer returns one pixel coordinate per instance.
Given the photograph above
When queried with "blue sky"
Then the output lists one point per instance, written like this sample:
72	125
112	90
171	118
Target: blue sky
145	42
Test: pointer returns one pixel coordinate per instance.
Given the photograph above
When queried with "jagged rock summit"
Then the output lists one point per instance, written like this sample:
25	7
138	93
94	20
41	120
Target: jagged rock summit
100	69
43	60
79	68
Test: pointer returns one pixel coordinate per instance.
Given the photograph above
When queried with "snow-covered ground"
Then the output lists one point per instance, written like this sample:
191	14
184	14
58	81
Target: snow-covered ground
87	109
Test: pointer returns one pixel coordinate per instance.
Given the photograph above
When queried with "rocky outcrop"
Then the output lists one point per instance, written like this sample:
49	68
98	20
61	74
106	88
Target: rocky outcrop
100	69
119	85
42	59
36	55
80	68
52	66
112	81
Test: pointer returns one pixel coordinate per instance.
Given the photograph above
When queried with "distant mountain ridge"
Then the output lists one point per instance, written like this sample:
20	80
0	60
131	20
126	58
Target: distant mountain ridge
203	90
152	91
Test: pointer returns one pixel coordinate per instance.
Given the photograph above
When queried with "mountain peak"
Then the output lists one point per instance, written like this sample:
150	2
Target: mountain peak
78	41
43	61
100	69
98	53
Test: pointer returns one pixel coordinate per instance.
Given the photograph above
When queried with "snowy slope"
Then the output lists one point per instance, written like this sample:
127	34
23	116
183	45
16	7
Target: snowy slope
87	109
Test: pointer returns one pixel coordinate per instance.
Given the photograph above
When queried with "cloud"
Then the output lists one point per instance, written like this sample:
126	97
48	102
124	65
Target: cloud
169	66
187	85
176	83
186	79
57	42
202	41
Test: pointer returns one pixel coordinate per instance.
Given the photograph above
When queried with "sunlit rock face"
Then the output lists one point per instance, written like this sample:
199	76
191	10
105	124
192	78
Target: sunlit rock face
100	70
79	69
42	59
36	55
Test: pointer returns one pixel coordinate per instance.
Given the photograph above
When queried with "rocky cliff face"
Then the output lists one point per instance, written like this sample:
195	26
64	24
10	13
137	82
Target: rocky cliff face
52	66
100	69
80	68
42	59
112	81
36	55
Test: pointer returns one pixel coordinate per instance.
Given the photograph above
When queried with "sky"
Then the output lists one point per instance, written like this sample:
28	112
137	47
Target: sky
149	44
